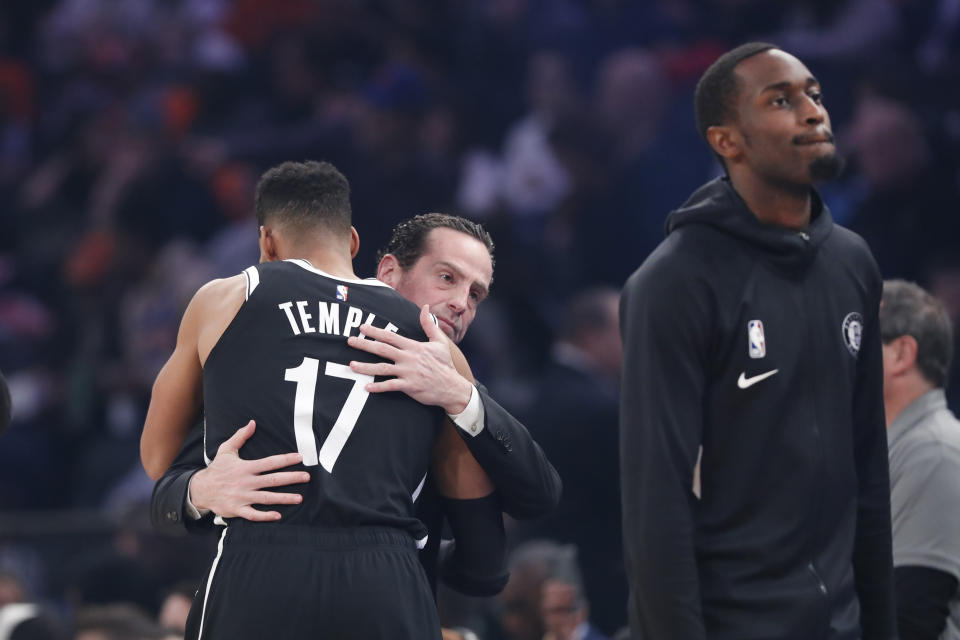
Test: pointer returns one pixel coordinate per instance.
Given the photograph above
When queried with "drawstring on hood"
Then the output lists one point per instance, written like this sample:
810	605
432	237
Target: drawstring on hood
718	205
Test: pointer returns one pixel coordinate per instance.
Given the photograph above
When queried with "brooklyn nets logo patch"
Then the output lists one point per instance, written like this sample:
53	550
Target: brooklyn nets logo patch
852	331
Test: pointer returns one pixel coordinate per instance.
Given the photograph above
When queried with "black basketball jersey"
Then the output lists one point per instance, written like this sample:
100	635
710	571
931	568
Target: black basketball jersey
284	362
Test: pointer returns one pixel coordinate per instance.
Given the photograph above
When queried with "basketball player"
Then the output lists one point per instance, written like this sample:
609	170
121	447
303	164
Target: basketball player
272	344
752	331
445	262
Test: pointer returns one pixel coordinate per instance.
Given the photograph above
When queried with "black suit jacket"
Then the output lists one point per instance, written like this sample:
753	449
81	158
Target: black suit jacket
528	484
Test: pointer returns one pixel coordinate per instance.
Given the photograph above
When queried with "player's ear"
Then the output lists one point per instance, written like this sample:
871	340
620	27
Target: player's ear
389	270
268	245
725	140
354	242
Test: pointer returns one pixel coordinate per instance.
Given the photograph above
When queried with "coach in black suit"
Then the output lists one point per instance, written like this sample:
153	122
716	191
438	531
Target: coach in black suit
426	261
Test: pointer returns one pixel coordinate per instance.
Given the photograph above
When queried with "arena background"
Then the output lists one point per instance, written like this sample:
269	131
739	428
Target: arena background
132	133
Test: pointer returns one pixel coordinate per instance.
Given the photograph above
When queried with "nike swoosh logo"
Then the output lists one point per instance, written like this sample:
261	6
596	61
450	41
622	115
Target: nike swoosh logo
743	381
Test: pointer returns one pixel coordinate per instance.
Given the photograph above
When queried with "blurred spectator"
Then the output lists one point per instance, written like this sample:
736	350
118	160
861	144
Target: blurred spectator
11	589
924	440
910	197
575	417
565	610
530	564
534	180
29	622
176	607
116	622
544	599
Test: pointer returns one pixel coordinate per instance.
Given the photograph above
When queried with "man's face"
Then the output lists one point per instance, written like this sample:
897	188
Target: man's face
561	616
783	127
452	277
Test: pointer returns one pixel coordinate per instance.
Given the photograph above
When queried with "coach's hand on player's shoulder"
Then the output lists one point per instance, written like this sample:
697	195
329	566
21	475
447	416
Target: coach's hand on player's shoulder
230	485
422	370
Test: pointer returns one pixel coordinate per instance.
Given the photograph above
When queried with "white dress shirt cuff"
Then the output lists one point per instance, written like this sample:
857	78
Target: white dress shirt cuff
192	512
471	418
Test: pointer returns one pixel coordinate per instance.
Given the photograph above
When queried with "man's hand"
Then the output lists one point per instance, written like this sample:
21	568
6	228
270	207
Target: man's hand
230	486
424	370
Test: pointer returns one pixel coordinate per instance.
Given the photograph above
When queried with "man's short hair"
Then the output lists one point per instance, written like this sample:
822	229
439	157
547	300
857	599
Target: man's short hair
409	240
717	90
303	197
908	310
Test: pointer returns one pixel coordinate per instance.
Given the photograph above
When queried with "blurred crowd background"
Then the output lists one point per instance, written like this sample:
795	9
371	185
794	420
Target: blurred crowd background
132	133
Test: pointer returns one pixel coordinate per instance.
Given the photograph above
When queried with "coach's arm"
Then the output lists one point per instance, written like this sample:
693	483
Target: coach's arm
190	492
528	484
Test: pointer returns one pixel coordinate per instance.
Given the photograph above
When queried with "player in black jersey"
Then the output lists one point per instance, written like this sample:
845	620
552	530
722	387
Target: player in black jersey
271	343
445	262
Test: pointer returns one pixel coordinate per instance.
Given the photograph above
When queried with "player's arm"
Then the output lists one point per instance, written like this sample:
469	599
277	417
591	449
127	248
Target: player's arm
872	552
475	562
665	324
528	484
177	394
178	390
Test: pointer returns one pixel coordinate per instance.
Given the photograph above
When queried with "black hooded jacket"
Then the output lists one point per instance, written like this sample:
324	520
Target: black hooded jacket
761	344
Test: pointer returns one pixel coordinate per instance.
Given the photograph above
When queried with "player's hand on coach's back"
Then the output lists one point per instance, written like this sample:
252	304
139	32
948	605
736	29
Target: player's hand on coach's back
230	485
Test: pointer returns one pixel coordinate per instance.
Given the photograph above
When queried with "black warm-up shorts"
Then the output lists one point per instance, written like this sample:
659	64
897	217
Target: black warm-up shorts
282	581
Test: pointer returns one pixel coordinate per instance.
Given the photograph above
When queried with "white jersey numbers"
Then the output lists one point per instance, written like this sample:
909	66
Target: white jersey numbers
305	376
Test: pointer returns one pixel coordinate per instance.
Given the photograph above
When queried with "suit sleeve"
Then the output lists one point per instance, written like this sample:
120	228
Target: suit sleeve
665	325
872	553
169	497
529	486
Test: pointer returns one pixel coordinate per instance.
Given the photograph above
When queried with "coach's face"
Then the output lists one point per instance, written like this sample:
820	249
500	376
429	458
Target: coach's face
452	277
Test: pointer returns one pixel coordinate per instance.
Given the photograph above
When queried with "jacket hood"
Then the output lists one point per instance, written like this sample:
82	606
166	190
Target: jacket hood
716	204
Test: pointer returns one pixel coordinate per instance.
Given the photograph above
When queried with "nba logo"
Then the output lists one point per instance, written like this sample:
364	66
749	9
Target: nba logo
342	292
755	341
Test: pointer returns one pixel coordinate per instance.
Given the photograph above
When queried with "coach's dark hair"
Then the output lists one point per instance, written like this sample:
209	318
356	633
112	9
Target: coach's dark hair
409	239
908	310
716	93
303	196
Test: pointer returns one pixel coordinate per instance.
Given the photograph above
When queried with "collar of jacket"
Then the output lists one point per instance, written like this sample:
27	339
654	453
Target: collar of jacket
718	205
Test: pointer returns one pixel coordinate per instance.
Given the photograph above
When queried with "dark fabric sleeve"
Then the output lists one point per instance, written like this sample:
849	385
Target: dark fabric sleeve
872	553
167	505
665	325
429	513
475	562
923	601
6	405
528	484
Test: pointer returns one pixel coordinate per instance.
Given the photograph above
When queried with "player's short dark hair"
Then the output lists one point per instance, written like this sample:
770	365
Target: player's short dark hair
908	310
409	240
717	90
304	196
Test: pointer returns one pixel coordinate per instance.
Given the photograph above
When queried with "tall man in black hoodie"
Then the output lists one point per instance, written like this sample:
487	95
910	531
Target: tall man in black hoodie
751	331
